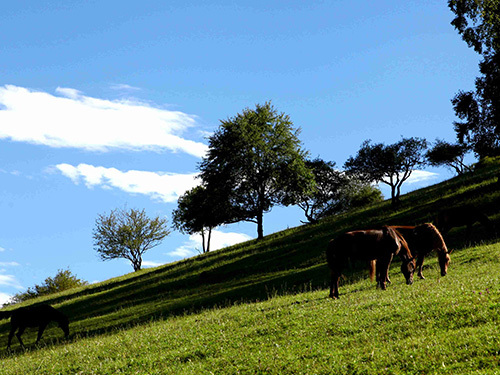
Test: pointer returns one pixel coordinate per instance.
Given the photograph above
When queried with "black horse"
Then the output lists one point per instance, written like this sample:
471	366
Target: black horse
34	316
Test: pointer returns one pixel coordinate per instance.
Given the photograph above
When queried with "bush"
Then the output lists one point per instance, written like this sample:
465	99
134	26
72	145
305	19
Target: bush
63	280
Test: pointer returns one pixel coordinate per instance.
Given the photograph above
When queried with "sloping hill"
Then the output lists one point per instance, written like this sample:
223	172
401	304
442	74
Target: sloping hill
286	262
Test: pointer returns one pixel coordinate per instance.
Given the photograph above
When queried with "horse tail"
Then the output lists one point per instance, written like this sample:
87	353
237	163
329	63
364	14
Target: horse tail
373	268
5	314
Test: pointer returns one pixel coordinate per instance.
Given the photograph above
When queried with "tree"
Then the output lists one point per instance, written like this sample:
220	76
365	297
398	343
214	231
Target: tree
478	21
128	234
389	164
450	155
257	160
63	280
200	210
334	192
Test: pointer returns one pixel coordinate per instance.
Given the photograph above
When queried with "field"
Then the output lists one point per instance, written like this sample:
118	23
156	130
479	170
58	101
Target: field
262	307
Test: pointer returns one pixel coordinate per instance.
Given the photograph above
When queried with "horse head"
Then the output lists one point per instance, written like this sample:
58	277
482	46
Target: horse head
430	234
407	260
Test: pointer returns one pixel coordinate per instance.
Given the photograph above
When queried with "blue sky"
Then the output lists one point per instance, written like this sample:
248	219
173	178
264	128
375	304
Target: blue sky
107	104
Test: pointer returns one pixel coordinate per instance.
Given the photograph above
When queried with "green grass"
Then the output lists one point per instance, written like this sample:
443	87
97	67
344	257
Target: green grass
436	326
261	307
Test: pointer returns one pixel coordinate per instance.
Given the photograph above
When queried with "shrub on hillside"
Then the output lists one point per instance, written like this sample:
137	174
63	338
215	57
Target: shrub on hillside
63	280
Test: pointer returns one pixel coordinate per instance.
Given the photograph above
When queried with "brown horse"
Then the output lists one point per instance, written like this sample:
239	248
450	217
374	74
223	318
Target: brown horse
460	216
376	246
34	316
423	239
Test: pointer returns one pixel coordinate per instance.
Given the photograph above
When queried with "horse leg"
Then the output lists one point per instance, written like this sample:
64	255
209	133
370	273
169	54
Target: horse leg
11	334
334	284
384	271
18	335
41	328
420	265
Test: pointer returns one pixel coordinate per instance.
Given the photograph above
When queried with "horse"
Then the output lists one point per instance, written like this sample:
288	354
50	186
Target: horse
422	239
34	316
460	216
377	246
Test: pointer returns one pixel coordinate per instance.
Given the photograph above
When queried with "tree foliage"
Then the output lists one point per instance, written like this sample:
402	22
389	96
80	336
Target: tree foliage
450	155
63	280
128	234
200	210
256	160
334	192
390	164
478	21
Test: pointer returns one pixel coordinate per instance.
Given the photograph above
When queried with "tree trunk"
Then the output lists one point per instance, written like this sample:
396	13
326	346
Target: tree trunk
393	195
203	240
260	225
137	264
208	240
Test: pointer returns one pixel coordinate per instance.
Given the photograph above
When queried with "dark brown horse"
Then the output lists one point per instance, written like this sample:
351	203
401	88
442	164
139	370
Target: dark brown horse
376	246
460	216
422	239
34	316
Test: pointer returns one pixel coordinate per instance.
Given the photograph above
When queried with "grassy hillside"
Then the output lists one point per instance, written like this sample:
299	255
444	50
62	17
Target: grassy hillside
191	316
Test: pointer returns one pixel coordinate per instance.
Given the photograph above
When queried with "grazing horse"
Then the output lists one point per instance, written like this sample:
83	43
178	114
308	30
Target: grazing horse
460	216
376	246
422	239
34	316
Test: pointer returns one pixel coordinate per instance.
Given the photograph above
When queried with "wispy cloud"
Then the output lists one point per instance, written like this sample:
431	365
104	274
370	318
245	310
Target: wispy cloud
4	298
166	187
73	120
418	176
10	280
9	264
124	87
219	240
150	263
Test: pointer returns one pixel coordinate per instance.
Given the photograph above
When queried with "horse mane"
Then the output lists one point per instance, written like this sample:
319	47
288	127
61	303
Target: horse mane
435	236
396	235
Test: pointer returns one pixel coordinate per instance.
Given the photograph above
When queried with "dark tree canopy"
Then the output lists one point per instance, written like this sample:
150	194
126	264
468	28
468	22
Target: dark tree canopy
257	160
334	192
450	155
200	210
390	164
478	21
128	234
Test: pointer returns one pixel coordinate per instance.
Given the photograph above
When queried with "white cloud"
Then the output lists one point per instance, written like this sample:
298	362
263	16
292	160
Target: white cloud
9	264
150	263
124	87
10	280
72	120
218	240
4	298
421	176
166	187
418	176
